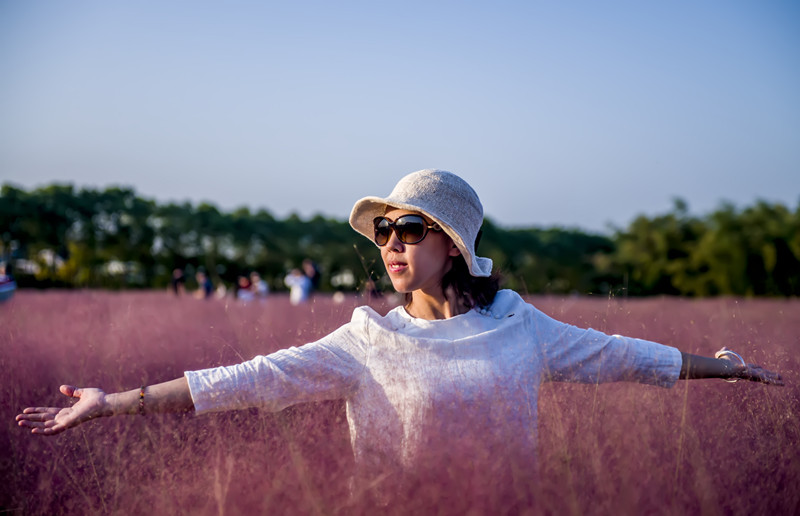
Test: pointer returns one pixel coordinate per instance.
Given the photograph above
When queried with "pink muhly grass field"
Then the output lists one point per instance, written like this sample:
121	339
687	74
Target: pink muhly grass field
702	447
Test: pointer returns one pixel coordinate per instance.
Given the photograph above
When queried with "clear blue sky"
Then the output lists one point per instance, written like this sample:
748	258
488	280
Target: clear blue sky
576	114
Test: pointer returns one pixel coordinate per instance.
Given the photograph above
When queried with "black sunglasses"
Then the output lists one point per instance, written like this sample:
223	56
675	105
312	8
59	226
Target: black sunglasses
410	229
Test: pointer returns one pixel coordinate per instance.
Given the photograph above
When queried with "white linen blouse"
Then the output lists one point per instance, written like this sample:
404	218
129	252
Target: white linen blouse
416	390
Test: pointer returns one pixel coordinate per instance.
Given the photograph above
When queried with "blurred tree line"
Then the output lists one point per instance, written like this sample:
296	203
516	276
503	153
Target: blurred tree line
66	237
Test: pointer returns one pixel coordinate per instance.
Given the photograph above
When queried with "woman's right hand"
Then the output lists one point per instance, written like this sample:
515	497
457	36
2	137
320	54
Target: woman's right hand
91	404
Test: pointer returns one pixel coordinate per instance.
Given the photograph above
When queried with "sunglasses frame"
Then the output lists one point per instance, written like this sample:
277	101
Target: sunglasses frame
392	226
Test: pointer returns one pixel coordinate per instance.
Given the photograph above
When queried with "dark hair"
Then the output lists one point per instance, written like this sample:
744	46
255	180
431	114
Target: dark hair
471	290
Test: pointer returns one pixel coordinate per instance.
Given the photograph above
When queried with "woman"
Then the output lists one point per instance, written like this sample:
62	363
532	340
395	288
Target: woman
446	385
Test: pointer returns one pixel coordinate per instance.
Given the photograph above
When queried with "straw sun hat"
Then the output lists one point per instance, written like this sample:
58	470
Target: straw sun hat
443	197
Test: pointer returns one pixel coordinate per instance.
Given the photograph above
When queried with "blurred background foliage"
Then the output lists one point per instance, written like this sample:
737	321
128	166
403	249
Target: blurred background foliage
59	236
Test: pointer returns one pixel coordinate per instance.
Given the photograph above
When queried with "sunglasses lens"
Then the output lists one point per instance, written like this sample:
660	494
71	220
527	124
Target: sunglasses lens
383	230
410	229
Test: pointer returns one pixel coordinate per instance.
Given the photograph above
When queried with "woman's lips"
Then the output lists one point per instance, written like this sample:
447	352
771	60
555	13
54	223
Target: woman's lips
395	267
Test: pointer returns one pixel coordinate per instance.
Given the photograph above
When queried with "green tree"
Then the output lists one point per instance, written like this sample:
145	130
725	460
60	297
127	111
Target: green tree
652	254
752	252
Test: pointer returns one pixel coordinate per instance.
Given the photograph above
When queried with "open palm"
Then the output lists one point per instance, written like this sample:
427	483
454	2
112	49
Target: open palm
91	404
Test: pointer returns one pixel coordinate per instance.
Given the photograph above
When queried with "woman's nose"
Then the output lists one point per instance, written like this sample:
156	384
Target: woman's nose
394	243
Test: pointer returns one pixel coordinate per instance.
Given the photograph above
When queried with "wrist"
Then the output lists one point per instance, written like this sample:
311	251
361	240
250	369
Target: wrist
728	368
731	368
120	403
109	405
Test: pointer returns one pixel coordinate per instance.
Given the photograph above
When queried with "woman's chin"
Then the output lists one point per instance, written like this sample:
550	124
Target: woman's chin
400	287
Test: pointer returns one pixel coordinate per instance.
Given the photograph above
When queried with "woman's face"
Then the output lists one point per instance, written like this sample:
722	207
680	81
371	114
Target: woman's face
419	266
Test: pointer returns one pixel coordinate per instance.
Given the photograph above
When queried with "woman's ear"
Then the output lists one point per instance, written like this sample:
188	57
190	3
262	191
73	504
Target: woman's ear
455	251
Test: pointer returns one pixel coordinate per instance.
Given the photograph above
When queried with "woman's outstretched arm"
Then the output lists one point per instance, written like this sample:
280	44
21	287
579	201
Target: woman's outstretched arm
171	396
697	367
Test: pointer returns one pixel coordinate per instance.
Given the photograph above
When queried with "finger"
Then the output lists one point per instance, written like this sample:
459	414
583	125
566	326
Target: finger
71	391
26	423
759	374
36	416
48	431
42	426
772	378
49	427
38	410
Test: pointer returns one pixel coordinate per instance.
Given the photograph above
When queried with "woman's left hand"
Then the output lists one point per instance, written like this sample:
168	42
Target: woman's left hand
751	372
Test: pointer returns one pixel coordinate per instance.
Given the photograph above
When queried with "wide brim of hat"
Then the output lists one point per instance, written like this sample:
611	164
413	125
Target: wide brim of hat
367	209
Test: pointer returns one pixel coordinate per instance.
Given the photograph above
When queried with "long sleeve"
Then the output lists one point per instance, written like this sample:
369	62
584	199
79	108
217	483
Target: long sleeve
573	354
329	368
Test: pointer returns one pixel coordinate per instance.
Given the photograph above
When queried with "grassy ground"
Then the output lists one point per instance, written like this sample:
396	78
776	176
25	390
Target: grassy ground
703	447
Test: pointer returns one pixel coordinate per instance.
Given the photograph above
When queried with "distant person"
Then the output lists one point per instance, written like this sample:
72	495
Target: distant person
5	273
311	270
243	291
443	387
205	287
178	282
258	286
221	291
299	287
7	284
